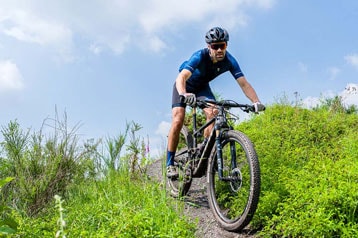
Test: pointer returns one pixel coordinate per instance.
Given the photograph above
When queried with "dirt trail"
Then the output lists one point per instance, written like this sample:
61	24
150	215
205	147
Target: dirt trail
197	207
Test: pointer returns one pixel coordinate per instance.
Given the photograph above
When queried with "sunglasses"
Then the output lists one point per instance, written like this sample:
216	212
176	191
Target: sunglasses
221	46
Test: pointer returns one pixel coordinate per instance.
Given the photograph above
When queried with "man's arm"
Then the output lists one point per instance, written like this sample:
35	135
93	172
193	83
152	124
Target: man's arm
180	81
248	90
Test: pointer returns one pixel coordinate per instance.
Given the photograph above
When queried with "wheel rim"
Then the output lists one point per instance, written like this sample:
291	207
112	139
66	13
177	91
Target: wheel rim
232	197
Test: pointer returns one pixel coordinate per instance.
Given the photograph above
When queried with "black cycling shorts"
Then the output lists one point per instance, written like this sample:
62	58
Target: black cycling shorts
203	92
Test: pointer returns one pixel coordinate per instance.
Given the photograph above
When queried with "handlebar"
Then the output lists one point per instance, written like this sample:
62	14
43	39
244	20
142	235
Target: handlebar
227	104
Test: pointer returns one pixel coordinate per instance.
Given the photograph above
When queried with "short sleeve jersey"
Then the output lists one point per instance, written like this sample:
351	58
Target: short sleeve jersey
204	70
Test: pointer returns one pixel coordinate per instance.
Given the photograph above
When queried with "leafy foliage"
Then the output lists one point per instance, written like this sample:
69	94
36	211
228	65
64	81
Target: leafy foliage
41	168
309	171
7	223
105	194
309	166
116	206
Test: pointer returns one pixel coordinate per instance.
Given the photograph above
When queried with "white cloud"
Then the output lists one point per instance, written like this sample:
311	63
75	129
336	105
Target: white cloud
267	4
29	28
350	94
311	102
163	128
333	71
26	26
115	24
154	44
95	48
352	59
158	14
10	77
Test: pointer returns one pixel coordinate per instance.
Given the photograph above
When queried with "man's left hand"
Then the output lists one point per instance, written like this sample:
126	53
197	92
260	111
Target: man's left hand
259	107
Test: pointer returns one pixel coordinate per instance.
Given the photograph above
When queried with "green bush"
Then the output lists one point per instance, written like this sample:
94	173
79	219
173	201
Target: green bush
115	207
7	223
104	194
309	172
42	167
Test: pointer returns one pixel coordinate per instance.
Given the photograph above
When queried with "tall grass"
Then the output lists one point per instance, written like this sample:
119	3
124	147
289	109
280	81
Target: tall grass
97	194
7	224
309	171
42	166
308	161
114	207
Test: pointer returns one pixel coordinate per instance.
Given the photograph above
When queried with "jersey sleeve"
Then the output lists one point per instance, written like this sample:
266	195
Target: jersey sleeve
193	62
235	67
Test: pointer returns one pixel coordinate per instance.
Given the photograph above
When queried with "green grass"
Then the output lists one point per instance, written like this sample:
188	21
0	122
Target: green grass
308	161
309	172
117	206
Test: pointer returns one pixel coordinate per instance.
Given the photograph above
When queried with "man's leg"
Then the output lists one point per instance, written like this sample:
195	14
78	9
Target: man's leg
178	114
210	112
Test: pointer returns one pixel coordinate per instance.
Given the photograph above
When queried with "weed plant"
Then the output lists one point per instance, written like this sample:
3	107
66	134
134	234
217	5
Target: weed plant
309	167
117	206
7	223
42	167
108	198
308	159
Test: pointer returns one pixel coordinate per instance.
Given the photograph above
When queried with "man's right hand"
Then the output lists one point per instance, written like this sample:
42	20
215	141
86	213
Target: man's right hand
189	99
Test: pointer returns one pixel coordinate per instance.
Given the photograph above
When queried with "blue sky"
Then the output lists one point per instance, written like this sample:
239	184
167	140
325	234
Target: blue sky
108	62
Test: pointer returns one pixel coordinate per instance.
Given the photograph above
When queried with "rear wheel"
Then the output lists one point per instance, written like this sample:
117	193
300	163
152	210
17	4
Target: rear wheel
234	200
180	185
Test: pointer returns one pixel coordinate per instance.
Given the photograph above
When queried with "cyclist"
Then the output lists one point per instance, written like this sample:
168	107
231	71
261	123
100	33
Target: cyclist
193	81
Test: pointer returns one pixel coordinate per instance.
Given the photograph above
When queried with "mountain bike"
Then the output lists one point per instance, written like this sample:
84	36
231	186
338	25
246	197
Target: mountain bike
228	160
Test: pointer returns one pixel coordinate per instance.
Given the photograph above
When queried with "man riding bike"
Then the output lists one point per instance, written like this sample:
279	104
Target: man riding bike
193	81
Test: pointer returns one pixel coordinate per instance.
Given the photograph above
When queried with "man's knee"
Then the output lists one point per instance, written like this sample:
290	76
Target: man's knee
178	114
210	113
178	118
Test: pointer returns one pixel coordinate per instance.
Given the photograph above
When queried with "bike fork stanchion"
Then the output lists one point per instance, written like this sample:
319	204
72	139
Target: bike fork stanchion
233	154
219	154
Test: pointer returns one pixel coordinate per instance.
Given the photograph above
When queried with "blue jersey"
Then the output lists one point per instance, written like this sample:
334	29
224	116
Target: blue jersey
204	70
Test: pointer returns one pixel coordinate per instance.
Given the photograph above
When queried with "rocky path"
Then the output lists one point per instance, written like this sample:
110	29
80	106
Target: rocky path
197	207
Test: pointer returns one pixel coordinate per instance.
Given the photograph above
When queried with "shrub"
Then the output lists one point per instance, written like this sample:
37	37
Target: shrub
116	206
309	171
41	168
7	223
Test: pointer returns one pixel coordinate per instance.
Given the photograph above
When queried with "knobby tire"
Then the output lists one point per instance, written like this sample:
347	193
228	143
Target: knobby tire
234	202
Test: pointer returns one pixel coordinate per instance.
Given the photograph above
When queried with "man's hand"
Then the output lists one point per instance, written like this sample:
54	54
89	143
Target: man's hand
259	107
189	99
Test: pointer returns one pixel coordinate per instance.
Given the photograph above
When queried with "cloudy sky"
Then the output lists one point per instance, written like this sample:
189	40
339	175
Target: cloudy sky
107	62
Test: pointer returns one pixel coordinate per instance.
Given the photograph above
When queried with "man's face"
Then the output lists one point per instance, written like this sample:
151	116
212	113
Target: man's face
217	50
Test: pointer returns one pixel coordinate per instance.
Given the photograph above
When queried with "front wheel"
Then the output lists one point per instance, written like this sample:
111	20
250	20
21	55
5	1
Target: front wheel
234	198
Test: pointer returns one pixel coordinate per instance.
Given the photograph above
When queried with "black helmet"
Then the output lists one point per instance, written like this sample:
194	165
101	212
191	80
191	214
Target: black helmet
216	34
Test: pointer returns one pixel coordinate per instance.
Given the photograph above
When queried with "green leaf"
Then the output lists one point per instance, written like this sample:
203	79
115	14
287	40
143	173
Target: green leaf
6	230
5	181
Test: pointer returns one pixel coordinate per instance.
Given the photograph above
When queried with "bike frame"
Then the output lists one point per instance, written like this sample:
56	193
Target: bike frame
221	125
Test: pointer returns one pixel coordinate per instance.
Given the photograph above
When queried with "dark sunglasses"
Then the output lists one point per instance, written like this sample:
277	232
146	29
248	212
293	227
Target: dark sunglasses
221	46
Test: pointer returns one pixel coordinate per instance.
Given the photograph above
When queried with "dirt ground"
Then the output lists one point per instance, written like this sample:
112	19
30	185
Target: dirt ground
197	207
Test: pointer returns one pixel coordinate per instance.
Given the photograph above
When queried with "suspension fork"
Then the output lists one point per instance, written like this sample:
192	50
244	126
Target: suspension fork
219	124
194	126
233	154
219	153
